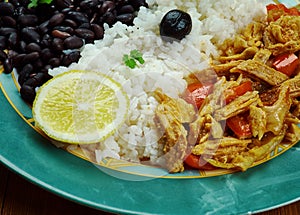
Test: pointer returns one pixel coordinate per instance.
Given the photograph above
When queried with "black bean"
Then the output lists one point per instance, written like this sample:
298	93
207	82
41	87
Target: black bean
120	3
40	78
107	6
71	58
109	18
78	17
73	42
27	20
60	34
67	10
66	29
33	47
25	73
6	8
6	31
7	66
46	43
31	57
30	34
85	33
136	4
98	30
86	25
2	42
8	21
57	44
88	4
12	40
3	55
64	3
45	69
28	93
37	65
12	53
54	62
71	23
126	18
56	19
126	9
18	60
43	27
31	82
46	54
35	80
22	46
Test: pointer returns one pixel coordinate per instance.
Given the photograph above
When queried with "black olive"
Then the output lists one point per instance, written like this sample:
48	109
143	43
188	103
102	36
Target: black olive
175	25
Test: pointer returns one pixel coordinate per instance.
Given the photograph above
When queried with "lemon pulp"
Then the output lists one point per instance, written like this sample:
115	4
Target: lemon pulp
80	107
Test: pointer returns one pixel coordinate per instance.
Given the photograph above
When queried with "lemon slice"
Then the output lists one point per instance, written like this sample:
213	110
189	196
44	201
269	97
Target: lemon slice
80	107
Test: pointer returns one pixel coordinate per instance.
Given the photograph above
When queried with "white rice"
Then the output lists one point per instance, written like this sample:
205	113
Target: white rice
165	63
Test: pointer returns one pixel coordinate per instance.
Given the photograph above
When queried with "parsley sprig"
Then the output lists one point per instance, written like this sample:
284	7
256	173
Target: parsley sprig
35	3
132	59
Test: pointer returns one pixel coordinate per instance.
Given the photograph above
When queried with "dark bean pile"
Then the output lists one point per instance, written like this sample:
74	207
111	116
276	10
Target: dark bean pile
50	35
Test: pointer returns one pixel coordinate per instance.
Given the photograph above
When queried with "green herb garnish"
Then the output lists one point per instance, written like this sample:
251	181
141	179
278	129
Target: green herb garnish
132	59
35	3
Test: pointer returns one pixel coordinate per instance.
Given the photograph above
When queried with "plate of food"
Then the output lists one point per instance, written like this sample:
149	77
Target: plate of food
119	105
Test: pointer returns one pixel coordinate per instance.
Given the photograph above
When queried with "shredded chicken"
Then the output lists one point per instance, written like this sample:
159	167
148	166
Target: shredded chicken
239	105
170	116
260	71
283	35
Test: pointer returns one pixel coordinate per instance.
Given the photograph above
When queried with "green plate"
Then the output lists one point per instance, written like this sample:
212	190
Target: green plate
25	151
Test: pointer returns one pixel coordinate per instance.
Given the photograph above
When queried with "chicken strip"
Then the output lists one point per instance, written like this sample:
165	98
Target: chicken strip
170	117
260	71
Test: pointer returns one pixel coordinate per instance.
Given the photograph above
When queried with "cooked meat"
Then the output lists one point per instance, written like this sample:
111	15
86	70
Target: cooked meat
224	69
258	122
277	113
283	35
170	116
225	147
248	53
263	55
246	159
294	85
293	134
295	110
206	125
239	105
269	97
260	71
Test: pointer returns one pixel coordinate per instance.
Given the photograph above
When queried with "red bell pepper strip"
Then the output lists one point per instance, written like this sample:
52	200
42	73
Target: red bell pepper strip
286	63
240	90
196	93
196	162
240	125
275	11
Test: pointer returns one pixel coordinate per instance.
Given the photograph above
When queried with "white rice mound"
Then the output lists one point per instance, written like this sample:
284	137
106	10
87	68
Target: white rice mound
166	64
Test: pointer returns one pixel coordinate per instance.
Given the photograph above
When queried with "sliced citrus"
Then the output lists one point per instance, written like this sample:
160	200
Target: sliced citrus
80	107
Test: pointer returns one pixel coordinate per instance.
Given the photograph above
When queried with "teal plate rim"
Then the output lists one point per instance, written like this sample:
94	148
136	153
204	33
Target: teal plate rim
263	187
